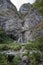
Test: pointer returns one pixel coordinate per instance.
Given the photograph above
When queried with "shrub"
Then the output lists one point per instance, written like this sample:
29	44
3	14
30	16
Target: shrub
34	58
16	60
3	60
35	45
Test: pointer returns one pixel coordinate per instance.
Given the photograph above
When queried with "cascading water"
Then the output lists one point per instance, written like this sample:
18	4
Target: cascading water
20	39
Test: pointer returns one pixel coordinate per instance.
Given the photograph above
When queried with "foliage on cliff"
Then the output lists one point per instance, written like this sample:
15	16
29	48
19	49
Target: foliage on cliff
4	38
39	5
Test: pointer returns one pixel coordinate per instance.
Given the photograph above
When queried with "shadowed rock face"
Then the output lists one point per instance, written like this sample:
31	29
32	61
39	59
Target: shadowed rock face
21	30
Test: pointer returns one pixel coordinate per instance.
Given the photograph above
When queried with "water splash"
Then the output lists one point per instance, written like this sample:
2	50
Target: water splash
20	38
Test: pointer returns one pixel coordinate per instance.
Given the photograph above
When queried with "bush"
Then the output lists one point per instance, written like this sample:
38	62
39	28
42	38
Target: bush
3	47
34	58
35	45
11	46
15	61
3	60
14	46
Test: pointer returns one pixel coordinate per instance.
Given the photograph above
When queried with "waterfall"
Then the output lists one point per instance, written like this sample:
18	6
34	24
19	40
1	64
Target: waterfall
20	39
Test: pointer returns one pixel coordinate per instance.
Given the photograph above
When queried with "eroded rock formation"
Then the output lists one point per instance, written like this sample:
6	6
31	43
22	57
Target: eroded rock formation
22	26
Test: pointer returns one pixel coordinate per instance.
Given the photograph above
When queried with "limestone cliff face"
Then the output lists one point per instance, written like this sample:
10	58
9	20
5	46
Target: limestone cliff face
32	23
22	27
9	19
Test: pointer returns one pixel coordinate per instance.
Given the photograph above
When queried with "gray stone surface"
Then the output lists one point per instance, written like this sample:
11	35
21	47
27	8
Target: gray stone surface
22	27
25	61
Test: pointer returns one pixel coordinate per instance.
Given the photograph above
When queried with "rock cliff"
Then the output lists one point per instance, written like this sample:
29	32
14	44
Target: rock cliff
22	26
32	27
9	19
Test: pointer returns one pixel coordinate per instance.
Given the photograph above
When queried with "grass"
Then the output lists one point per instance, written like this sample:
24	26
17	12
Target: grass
34	57
35	45
11	46
32	45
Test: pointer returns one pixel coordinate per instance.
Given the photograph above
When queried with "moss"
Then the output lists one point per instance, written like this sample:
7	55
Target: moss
34	57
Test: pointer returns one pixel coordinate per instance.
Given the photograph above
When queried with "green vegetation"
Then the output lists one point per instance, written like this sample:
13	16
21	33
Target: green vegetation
4	60
32	46
35	45
1	31
35	58
6	43
4	39
11	46
16	60
36	51
39	5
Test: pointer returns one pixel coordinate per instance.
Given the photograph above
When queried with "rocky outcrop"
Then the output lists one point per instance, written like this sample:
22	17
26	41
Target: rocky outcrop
23	26
32	25
9	19
25	8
